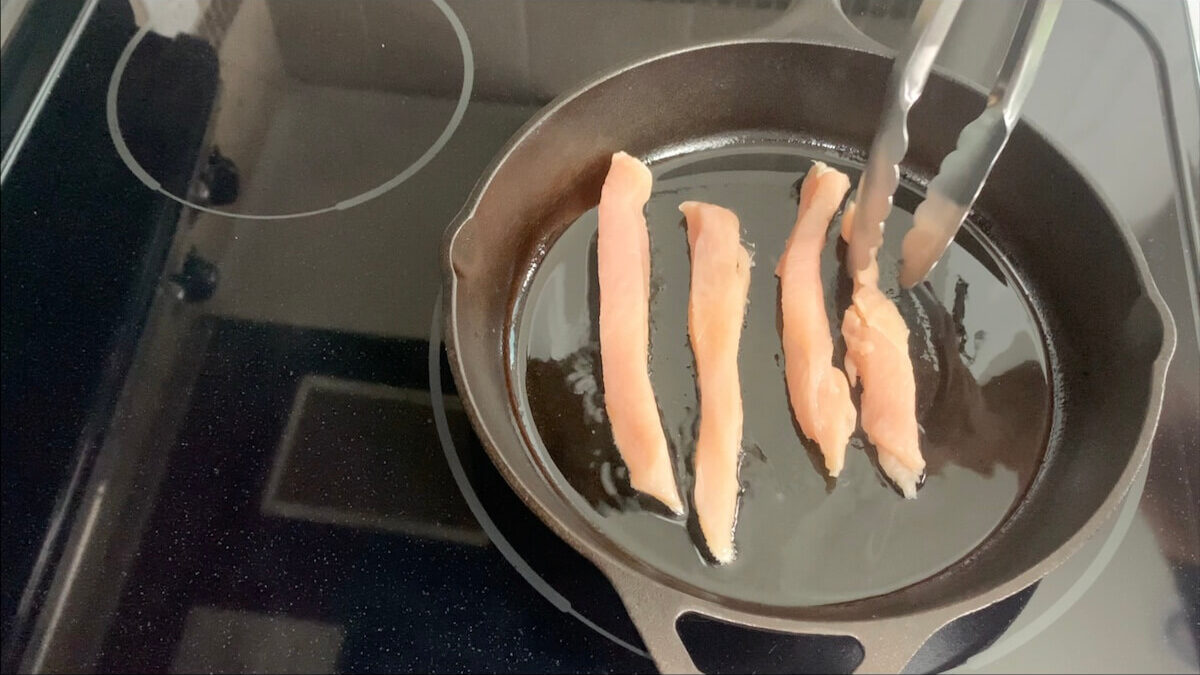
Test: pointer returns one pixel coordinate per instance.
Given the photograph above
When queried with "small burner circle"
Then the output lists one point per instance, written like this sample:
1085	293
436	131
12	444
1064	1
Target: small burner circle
464	99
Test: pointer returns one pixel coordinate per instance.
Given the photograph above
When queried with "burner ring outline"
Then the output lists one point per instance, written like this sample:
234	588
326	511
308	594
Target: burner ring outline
464	99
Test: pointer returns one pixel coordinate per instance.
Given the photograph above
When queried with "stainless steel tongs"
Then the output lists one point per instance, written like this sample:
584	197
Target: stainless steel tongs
960	178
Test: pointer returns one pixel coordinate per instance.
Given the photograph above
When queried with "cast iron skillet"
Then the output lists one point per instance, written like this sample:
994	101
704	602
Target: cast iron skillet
1106	329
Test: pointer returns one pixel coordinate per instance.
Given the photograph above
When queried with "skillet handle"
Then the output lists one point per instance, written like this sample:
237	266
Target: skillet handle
891	644
888	644
654	611
819	21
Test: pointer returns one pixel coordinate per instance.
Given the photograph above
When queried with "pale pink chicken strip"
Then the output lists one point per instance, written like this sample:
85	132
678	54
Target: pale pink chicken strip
877	354
623	256
818	391
716	306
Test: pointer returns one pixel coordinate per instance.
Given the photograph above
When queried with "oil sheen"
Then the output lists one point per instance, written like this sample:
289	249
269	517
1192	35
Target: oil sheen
983	397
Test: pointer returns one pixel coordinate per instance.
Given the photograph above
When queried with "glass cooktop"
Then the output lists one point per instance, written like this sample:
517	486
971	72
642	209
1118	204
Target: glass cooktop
231	440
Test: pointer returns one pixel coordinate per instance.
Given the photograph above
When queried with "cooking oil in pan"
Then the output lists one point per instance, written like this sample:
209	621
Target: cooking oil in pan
802	539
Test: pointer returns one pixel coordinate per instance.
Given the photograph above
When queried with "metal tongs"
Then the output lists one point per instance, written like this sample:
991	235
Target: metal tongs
960	178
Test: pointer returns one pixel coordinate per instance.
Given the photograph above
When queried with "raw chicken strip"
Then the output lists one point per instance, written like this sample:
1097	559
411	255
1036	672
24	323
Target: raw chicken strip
819	392
623	256
717	304
877	353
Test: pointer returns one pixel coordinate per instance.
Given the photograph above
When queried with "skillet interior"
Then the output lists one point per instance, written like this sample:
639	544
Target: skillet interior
981	373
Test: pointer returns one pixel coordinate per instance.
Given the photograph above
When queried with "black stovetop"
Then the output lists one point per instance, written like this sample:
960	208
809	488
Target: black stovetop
230	438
